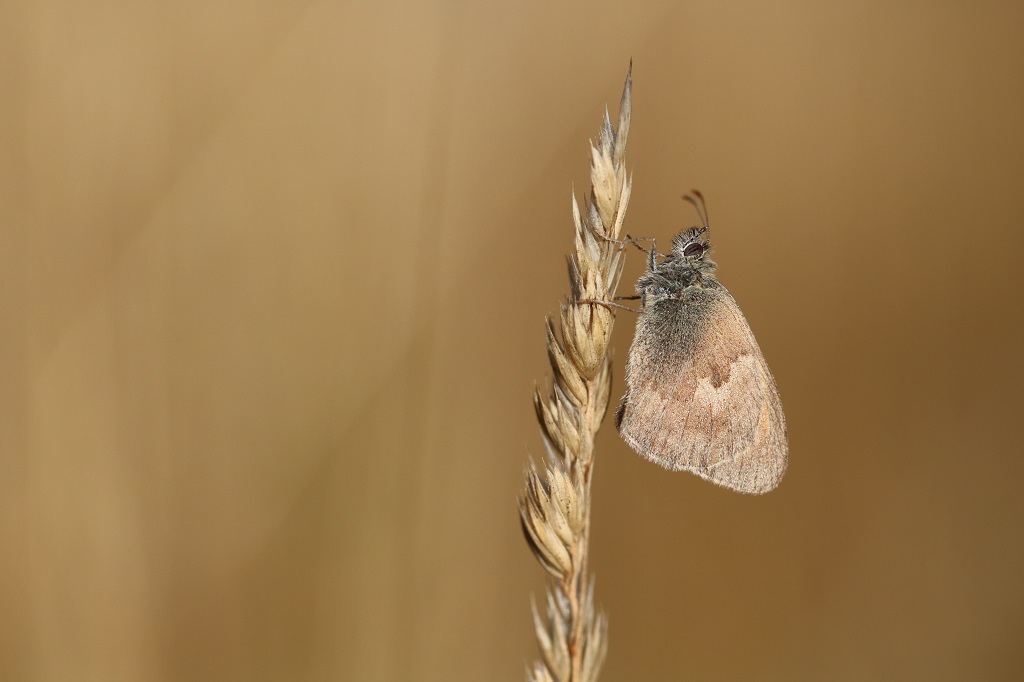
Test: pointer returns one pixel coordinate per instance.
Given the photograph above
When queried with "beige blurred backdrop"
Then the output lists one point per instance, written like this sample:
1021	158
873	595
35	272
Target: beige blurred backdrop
273	279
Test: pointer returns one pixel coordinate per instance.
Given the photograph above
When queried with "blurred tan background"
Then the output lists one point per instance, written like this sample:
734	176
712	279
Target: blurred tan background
273	279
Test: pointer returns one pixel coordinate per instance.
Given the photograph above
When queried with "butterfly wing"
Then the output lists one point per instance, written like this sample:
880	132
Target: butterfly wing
699	395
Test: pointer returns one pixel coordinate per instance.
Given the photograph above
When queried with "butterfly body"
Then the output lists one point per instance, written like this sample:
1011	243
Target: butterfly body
699	394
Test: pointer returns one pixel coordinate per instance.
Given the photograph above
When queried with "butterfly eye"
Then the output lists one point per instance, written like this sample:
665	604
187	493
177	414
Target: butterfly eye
694	250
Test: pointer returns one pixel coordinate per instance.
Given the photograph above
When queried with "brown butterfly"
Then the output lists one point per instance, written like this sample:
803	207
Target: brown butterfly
699	395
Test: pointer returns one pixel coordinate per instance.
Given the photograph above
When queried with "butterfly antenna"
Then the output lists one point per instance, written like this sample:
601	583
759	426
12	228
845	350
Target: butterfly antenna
702	209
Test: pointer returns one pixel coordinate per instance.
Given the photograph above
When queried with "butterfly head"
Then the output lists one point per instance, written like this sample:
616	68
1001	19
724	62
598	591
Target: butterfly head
691	245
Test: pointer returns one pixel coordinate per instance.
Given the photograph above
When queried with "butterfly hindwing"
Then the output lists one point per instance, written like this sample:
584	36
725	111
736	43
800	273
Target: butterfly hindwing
699	395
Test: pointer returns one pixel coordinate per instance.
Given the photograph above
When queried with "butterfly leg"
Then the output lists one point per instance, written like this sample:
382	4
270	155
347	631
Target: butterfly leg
608	304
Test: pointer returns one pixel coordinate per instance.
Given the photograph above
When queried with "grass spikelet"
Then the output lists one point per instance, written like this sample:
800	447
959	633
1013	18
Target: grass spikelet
555	507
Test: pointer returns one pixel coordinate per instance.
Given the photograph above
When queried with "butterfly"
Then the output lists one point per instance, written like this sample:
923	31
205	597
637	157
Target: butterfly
699	394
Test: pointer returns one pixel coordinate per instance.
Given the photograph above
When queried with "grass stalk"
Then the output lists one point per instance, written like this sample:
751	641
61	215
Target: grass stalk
555	507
